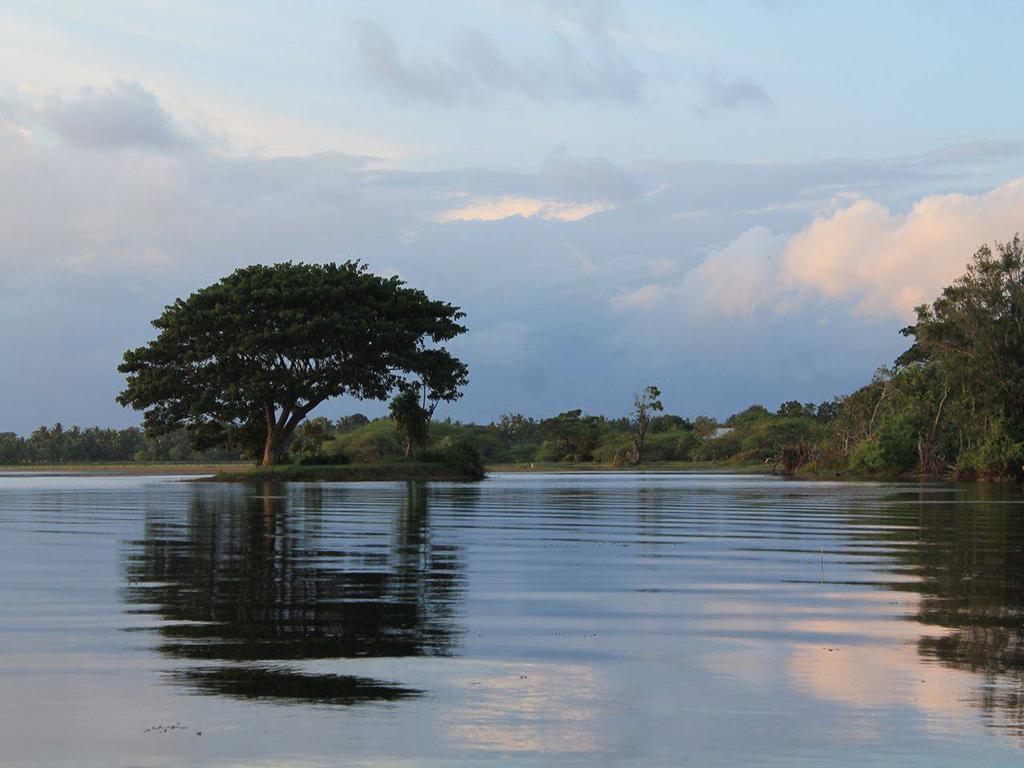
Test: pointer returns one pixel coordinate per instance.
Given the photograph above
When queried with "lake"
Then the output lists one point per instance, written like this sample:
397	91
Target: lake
588	619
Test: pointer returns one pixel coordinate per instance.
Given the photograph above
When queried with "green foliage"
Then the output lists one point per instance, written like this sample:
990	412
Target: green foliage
751	414
523	453
975	332
411	419
459	453
998	454
614	448
570	436
646	405
718	448
308	443
254	353
893	448
765	438
76	445
516	429
705	426
674	445
795	409
669	421
374	441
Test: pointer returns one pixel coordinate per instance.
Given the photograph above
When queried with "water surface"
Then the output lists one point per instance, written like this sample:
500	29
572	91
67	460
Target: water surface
590	619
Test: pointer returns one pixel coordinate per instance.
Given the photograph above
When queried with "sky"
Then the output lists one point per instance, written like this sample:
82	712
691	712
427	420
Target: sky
738	202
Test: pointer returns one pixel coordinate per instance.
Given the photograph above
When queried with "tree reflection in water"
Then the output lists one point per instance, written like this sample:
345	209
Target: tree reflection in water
970	558
255	576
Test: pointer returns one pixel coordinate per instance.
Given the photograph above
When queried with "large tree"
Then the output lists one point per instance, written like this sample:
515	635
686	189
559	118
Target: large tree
244	360
974	332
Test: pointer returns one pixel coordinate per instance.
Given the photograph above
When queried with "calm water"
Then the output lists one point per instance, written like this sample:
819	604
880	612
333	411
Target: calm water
528	620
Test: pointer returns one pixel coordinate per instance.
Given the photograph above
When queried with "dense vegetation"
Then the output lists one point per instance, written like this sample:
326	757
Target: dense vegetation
953	403
57	445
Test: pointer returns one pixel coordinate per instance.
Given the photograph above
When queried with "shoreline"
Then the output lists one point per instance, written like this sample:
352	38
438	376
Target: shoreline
235	471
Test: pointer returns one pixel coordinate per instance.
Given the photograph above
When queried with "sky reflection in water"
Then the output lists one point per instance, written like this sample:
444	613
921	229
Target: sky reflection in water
598	619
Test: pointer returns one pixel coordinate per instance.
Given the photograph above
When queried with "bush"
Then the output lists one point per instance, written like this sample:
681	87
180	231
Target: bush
320	459
525	453
718	448
893	449
376	441
458	453
766	439
996	455
675	445
549	451
615	448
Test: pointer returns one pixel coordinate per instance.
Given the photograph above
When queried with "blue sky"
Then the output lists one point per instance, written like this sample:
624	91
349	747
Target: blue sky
738	202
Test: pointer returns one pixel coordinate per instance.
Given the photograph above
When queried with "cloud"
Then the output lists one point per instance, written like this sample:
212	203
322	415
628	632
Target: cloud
639	298
123	115
723	94
977	151
494	209
473	68
864	256
587	178
888	263
737	280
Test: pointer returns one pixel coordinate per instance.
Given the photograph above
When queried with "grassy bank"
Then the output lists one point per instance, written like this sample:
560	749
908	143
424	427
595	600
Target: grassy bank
388	470
757	468
131	468
342	473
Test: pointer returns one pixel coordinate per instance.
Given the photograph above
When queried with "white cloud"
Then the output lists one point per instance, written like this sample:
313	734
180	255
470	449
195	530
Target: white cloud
879	263
737	280
644	297
663	267
495	209
888	263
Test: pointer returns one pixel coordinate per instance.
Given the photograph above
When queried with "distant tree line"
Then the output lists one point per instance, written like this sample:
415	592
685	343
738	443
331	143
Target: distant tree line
60	445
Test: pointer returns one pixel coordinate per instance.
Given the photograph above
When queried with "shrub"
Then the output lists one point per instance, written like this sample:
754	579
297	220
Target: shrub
549	451
525	453
996	455
892	449
718	448
674	445
376	441
615	448
320	459
766	439
458	453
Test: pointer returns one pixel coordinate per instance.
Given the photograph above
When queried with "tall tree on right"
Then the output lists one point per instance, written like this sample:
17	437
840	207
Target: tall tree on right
974	332
962	380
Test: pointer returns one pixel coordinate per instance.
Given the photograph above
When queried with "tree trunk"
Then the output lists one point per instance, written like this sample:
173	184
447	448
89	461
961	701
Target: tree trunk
272	448
639	438
280	429
272	445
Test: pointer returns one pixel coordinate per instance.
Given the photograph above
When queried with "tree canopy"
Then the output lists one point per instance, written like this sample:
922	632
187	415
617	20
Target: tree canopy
243	361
